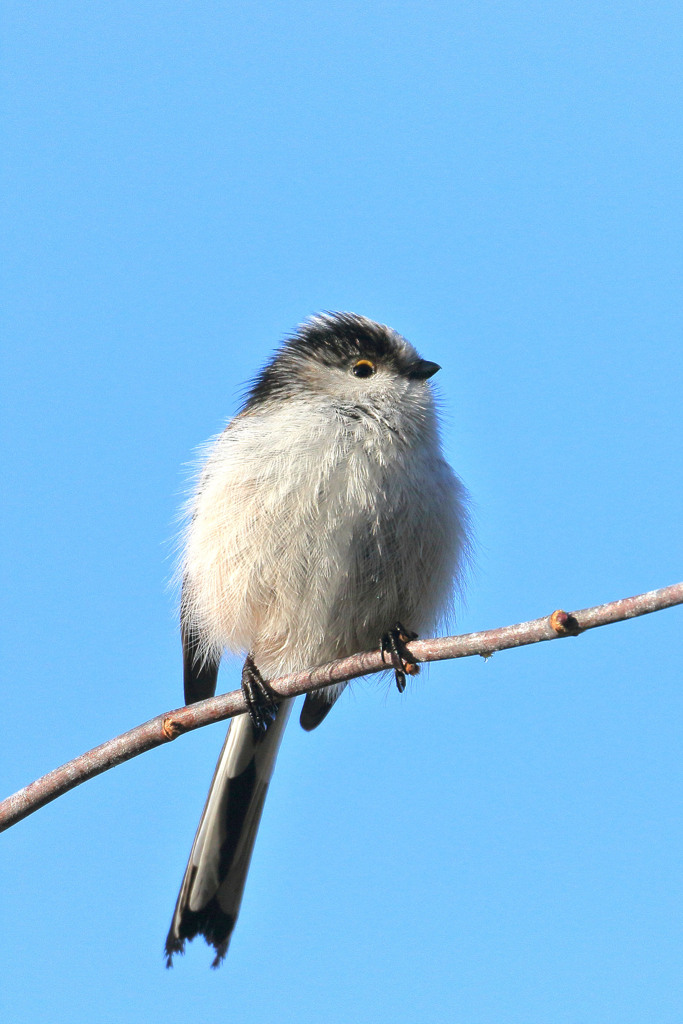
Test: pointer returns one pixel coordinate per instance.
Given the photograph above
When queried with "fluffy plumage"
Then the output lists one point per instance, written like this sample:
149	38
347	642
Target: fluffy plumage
324	514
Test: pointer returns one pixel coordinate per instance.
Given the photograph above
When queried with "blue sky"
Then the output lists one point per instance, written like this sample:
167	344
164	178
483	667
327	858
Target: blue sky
183	184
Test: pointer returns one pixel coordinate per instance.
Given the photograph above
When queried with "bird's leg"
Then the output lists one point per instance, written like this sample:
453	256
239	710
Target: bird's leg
394	641
259	696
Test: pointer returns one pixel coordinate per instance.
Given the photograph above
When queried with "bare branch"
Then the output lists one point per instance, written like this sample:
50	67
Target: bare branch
168	726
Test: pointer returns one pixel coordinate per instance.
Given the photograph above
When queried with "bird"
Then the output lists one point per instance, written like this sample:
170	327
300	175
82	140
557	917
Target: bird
324	521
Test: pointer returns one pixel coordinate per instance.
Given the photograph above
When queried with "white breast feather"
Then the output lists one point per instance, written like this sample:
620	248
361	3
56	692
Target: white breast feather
310	535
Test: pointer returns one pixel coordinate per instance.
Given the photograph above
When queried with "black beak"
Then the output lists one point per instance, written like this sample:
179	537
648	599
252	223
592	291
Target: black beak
422	369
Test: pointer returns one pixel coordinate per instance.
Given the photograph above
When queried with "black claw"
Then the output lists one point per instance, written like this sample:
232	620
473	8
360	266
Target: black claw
394	641
259	697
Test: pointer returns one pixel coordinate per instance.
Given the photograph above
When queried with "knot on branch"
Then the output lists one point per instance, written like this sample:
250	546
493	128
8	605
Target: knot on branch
564	624
171	728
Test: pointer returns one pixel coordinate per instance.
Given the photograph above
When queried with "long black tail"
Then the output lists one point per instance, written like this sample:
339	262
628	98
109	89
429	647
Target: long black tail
212	887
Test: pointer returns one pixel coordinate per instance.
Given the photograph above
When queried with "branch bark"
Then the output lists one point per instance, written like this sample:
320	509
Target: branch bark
171	724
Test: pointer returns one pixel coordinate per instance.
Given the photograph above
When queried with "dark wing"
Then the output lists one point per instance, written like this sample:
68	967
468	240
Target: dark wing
316	706
199	676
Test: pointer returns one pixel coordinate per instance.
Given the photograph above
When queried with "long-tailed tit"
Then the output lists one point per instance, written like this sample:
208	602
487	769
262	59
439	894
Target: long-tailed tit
325	522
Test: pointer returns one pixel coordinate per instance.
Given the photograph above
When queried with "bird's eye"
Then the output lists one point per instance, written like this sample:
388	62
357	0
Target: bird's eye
363	368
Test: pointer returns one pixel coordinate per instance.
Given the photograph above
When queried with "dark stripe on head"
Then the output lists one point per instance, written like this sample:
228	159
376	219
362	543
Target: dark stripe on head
330	339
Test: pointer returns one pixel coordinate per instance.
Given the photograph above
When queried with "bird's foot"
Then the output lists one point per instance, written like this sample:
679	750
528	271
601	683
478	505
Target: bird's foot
394	641
260	698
